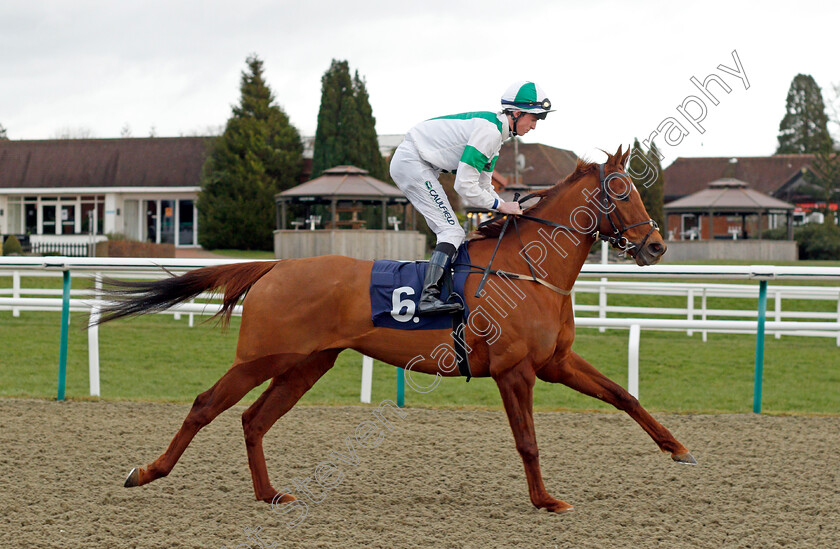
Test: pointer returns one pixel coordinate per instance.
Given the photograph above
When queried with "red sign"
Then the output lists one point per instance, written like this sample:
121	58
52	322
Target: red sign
811	206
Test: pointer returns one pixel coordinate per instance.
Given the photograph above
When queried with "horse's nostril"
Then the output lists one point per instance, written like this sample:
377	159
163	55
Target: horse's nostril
656	249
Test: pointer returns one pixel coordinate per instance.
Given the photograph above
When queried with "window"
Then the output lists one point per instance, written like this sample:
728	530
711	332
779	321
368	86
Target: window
186	225
92	212
690	227
31	220
167	222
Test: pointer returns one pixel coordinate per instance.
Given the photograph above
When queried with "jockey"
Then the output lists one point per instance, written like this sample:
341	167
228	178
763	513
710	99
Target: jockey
467	145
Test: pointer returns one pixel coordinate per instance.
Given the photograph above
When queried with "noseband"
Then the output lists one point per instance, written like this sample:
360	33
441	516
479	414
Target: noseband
608	208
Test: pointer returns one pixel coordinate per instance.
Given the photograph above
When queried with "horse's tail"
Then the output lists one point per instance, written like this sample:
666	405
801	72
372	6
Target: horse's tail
126	298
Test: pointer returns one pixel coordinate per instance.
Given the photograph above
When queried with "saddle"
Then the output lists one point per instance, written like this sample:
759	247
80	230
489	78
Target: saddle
395	288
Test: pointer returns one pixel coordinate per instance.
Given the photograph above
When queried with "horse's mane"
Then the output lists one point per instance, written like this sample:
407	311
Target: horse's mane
492	229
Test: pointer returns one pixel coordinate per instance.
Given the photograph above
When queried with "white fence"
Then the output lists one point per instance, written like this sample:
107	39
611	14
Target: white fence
692	291
809	323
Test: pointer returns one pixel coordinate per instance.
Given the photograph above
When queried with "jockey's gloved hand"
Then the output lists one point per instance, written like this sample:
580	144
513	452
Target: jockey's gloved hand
510	208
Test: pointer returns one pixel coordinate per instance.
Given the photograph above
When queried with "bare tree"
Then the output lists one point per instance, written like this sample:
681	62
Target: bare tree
210	130
833	111
69	132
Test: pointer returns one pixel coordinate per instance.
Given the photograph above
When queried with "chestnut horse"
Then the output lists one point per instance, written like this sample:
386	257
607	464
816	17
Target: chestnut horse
299	314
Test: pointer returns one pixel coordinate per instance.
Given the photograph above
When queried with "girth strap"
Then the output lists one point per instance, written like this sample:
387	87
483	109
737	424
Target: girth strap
475	269
545	283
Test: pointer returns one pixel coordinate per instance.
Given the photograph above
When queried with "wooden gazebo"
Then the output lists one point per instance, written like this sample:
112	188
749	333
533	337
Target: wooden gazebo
345	191
731	198
337	211
723	202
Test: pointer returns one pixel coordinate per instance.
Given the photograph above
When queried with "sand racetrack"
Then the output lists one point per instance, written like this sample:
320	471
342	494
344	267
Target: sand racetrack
441	478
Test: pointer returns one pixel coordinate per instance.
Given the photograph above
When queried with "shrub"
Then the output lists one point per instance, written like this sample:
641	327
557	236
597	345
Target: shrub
818	240
12	246
815	240
779	233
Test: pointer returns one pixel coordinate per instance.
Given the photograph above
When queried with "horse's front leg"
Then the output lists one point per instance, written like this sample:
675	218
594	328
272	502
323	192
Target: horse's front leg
516	386
575	372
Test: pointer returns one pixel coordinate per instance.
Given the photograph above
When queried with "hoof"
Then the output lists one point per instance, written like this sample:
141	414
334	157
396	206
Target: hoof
559	507
278	498
133	478
685	458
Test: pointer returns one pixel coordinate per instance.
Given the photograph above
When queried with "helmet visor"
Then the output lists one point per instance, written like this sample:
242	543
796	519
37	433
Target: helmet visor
542	107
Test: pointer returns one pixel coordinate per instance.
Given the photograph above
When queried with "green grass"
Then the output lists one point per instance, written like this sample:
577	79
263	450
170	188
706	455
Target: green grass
798	263
160	359
245	254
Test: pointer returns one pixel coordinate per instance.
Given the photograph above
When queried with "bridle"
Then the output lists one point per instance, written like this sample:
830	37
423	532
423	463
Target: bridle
606	207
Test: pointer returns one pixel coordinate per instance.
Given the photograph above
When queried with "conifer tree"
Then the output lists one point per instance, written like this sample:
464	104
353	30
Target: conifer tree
823	180
371	157
257	156
804	128
646	172
346	133
3	134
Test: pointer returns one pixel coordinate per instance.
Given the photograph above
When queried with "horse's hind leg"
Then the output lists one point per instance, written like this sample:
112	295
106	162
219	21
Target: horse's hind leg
283	393
581	376
229	390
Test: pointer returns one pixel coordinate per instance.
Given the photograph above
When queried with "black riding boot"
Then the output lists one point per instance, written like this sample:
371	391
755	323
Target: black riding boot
430	303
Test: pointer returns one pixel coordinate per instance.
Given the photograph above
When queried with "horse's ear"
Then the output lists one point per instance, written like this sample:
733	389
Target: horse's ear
624	157
618	153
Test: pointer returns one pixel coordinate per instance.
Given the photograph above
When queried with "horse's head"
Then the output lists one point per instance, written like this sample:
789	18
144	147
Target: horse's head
598	200
623	220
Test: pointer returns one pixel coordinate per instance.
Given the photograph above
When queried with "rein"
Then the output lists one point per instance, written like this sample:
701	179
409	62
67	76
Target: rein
606	207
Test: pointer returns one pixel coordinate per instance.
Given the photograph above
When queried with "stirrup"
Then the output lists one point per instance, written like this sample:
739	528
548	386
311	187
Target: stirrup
438	307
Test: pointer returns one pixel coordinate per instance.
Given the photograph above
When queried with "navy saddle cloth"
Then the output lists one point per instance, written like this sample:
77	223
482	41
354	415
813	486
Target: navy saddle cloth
395	288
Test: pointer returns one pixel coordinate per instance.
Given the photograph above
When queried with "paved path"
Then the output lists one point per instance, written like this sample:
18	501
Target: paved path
201	253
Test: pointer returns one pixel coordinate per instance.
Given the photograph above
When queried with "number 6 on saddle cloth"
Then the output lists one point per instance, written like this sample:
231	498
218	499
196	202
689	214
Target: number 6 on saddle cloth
395	288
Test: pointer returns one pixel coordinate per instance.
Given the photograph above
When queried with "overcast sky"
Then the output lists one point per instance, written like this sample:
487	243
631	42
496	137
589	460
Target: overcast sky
614	70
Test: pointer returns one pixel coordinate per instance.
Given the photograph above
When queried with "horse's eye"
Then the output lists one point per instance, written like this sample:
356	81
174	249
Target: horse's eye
619	187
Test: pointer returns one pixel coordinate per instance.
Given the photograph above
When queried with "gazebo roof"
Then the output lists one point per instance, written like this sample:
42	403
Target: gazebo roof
727	195
344	183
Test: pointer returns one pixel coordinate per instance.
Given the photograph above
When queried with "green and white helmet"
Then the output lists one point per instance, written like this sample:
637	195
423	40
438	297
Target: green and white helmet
526	97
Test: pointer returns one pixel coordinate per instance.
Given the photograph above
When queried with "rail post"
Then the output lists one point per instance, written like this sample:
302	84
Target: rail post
367	378
633	361
759	346
602	292
93	342
401	387
16	293
65	325
777	302
690	314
